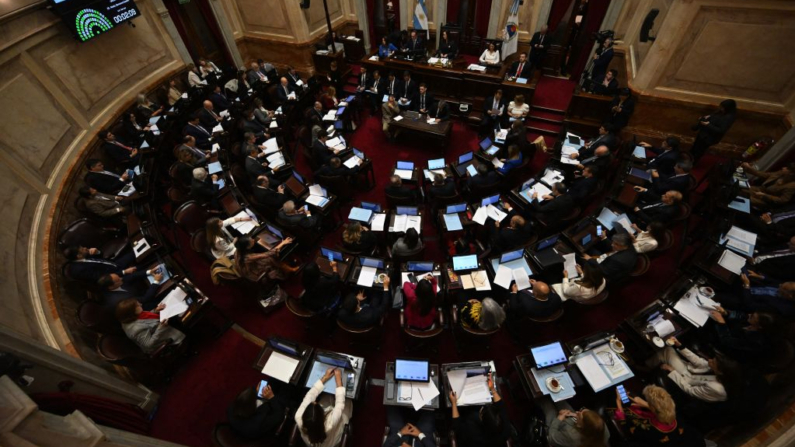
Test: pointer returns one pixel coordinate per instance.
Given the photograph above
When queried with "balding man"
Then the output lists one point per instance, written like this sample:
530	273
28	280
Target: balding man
539	301
601	159
208	117
513	234
283	91
680	181
315	112
762	294
273	199
255	75
617	264
297	217
538	47
397	189
664	209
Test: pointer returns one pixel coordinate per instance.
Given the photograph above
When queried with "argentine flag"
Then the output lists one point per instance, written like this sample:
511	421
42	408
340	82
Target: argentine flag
421	17
511	31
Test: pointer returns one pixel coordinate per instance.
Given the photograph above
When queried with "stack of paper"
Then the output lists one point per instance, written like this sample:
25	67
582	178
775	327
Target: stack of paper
405	174
570	265
353	162
592	372
280	367
688	307
360	214
399	225
175	304
495	213
732	262
481	215
218	129
276	160
433	60
418	393
552	176
501	135
565	155
639	152
379	220
740	240
414	222
475	391
224	114
476	67
270	146
246	226
503	277
336	143
366	276
539	188
453	222
291	95
318	201
521	278
497	163
274	125
216	147
331	115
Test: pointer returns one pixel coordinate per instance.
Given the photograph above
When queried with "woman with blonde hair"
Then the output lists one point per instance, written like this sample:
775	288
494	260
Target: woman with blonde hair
569	428
358	239
329	99
652	420
518	109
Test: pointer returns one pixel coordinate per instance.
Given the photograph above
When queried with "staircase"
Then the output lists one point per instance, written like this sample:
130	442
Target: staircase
546	122
353	80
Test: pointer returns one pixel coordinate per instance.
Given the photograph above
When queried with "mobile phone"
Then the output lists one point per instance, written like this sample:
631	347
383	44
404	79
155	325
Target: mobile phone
306	207
330	257
622	393
412	278
599	230
261	388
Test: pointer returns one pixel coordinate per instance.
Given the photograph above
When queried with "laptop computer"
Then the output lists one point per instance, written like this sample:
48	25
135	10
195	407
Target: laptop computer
374	207
285	347
296	184
487	146
456	208
640	173
527	184
545	254
407	210
511	255
367	261
405	165
490	200
359	153
412	370
464	160
331	254
437	163
419	266
274	236
465	262
548	355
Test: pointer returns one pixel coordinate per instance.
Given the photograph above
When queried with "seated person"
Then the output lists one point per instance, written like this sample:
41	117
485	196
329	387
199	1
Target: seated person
539	301
619	263
415	43
651	420
517	232
255	75
442	187
703	379
569	428
746	337
484	177
364	80
389	110
361	311
208	117
203	136
776	262
204	188
102	205
263	115
358	238
520	68
321	293
663	210
421	303
252	417
490	56
251	124
183	170
298	217
321	417
666	156
518	109
776	189
144	327
294	79
447	47
554	207
601	159
607	85
102	180
376	90
385	49
146	108
762	294
116	288
607	137
335	168
408	244
649	240
219	239
284	92
423	100
321	154
439	110
590	283
316	111
513	160
219	99
254	262
87	264
132	133
197	156
517	135
397	189
486	426
419	434
486	315
680	181
265	195
408	91
122	154
586	184
775	228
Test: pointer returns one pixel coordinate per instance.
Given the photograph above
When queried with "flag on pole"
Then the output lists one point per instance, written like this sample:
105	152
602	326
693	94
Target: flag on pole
511	42
421	17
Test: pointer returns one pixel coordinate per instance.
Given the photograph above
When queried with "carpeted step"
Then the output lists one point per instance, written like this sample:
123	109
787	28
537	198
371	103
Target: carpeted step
542	127
552	111
349	89
547	116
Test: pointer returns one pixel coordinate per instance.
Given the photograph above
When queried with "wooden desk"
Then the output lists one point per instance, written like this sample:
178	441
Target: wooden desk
638	324
389	381
415	176
354	275
303	360
357	363
466	221
440	131
486	365
577	232
343	267
322	62
587	112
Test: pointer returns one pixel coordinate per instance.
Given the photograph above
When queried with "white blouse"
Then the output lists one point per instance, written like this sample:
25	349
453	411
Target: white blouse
644	243
224	247
518	111
336	417
490	57
573	290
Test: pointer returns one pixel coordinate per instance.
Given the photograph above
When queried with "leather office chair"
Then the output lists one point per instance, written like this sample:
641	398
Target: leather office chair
454	441
665	243
296	440
598	299
304	236
198	243
469	336
415	339
370	336
684	212
641	266
551	227
240	177
224	436
392	201
480	192
550	319
297	308
86	233
339	185
191	217
177	196
97	317
416	255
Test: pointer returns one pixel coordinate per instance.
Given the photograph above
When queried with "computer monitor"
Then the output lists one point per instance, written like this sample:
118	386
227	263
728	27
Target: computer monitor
358	153
276	232
408	210
419	266
511	255
464	158
335	255
298	177
574	140
405	165
548	355
285	347
640	173
548	242
371	262
412	370
437	163
374	207
489	200
456	208
587	239
486	143
465	262
527	184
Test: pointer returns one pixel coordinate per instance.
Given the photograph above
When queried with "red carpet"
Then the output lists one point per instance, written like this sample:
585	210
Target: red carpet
553	93
199	394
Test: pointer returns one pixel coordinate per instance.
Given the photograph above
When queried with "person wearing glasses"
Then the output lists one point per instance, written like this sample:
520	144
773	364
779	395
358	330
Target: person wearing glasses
485	426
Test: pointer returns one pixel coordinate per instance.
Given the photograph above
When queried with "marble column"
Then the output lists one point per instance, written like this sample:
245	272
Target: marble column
495	19
543	15
779	150
226	32
364	22
406	17
440	17
171	29
613	11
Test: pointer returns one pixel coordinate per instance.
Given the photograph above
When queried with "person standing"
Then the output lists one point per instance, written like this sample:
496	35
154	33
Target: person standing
711	128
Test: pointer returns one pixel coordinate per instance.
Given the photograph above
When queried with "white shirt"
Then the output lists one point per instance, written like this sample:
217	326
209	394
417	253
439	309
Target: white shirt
490	57
518	111
573	290
223	247
195	80
644	243
335	418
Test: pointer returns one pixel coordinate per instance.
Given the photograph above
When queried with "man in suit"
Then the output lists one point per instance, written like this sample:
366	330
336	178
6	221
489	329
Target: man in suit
120	153
102	180
265	195
408	90
102	205
202	134
601	159
440	110
396	188
555	206
250	124
116	288
506	237
267	68
415	43
761	294
363	311
713	127
680	181
87	264
321	154
257	166
336	168
602	58
219	99
376	90
521	68
441	187
775	227
294	80
618	264
144	327
363	80
664	210
539	301
209	119
666	156
408	427
607	137
538	48
607	85
585	185
424	100
777	262
283	91
621	108
392	85
484	177
297	217
493	112
315	111
189	145
204	188
255	76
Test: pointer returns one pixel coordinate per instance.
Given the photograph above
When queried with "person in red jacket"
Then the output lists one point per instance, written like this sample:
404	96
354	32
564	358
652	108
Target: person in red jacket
421	303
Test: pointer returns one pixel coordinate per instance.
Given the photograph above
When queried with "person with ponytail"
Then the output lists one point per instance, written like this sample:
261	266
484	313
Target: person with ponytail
322	421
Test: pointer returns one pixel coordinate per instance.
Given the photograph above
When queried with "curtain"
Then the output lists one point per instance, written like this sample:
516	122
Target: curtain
453	6
559	9
212	24
482	13
374	41
593	20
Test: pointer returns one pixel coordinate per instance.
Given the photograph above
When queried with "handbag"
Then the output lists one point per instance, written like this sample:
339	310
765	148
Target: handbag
535	433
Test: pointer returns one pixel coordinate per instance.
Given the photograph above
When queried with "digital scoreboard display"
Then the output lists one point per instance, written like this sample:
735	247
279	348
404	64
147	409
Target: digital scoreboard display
90	18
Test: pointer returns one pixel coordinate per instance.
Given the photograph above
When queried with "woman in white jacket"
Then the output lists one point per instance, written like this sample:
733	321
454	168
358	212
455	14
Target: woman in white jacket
591	283
703	379
218	238
649	240
322	421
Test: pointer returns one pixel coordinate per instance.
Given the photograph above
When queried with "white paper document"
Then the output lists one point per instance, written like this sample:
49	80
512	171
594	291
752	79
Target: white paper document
366	276
274	125
318	201
379	220
217	129
214	167
331	115
270	146
334	143
481	215
422	393
742	235
175	304
140	247
481	280
276	160
593	373
732	262
570	264
475	391
280	367
495	213
552	176
216	148
405	174
503	277
664	328
414	222
316	190
397	118
497	163
399	224
352	162
521	278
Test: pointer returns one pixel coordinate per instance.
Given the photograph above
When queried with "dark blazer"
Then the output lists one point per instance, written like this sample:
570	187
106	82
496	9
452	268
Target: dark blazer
536	53
299	220
506	238
469	431
489	104
108	183
119	154
200	133
524	304
780	267
600	89
269	197
254	127
582	188
607	139
483	180
134	285
281	95
312	112
207	119
365	245
552	211
449	48
418	99
328	171
663	184
664	162
370	314
718	125
441	114
617	266
601	162
409	91
203	191
379	88
518	137
445	190
321	154
336	79
415	44
263	423
364	80
621	119
254	169
220	101
292	80
601	63
93	268
527	70
402	191
742	345
658	211
252	77
323	294
392	87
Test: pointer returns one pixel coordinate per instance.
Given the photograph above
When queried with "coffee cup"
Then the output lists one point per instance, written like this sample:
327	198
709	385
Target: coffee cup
554	383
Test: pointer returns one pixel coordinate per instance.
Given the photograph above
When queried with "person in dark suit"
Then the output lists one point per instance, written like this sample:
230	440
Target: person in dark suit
294	79
117	288
415	42
607	137
521	68
250	124
321	154
267	69
439	110
602	58
506	237
255	76
680	181
621	108
424	100
712	128
103	206
618	264
396	188
776	262
256	165
606	85
540	301
665	209
745	337
762	294
775	227
441	187
265	195
409	89
363	80
252	417
484	426
120	153
484	177
601	159
316	111
447	47
87	264
300	217
204	188
203	135
334	76
376	90
493	112
392	85
209	119
219	99
102	180
538	48
197	156
666	156
585	185
554	207
283	91
335	168
321	293
407	427
517	136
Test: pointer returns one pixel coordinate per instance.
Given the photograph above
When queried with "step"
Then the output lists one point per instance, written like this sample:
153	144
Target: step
548	117
543	127
547	109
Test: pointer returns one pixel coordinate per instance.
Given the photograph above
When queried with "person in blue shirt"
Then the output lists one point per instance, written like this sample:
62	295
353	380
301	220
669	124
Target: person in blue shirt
385	49
514	159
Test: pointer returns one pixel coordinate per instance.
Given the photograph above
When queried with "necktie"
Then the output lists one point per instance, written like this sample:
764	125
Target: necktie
202	129
121	145
375	85
213	114
781	216
764	291
495	105
519	69
98	261
542	39
363	80
654	205
422	103
775	254
111	174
